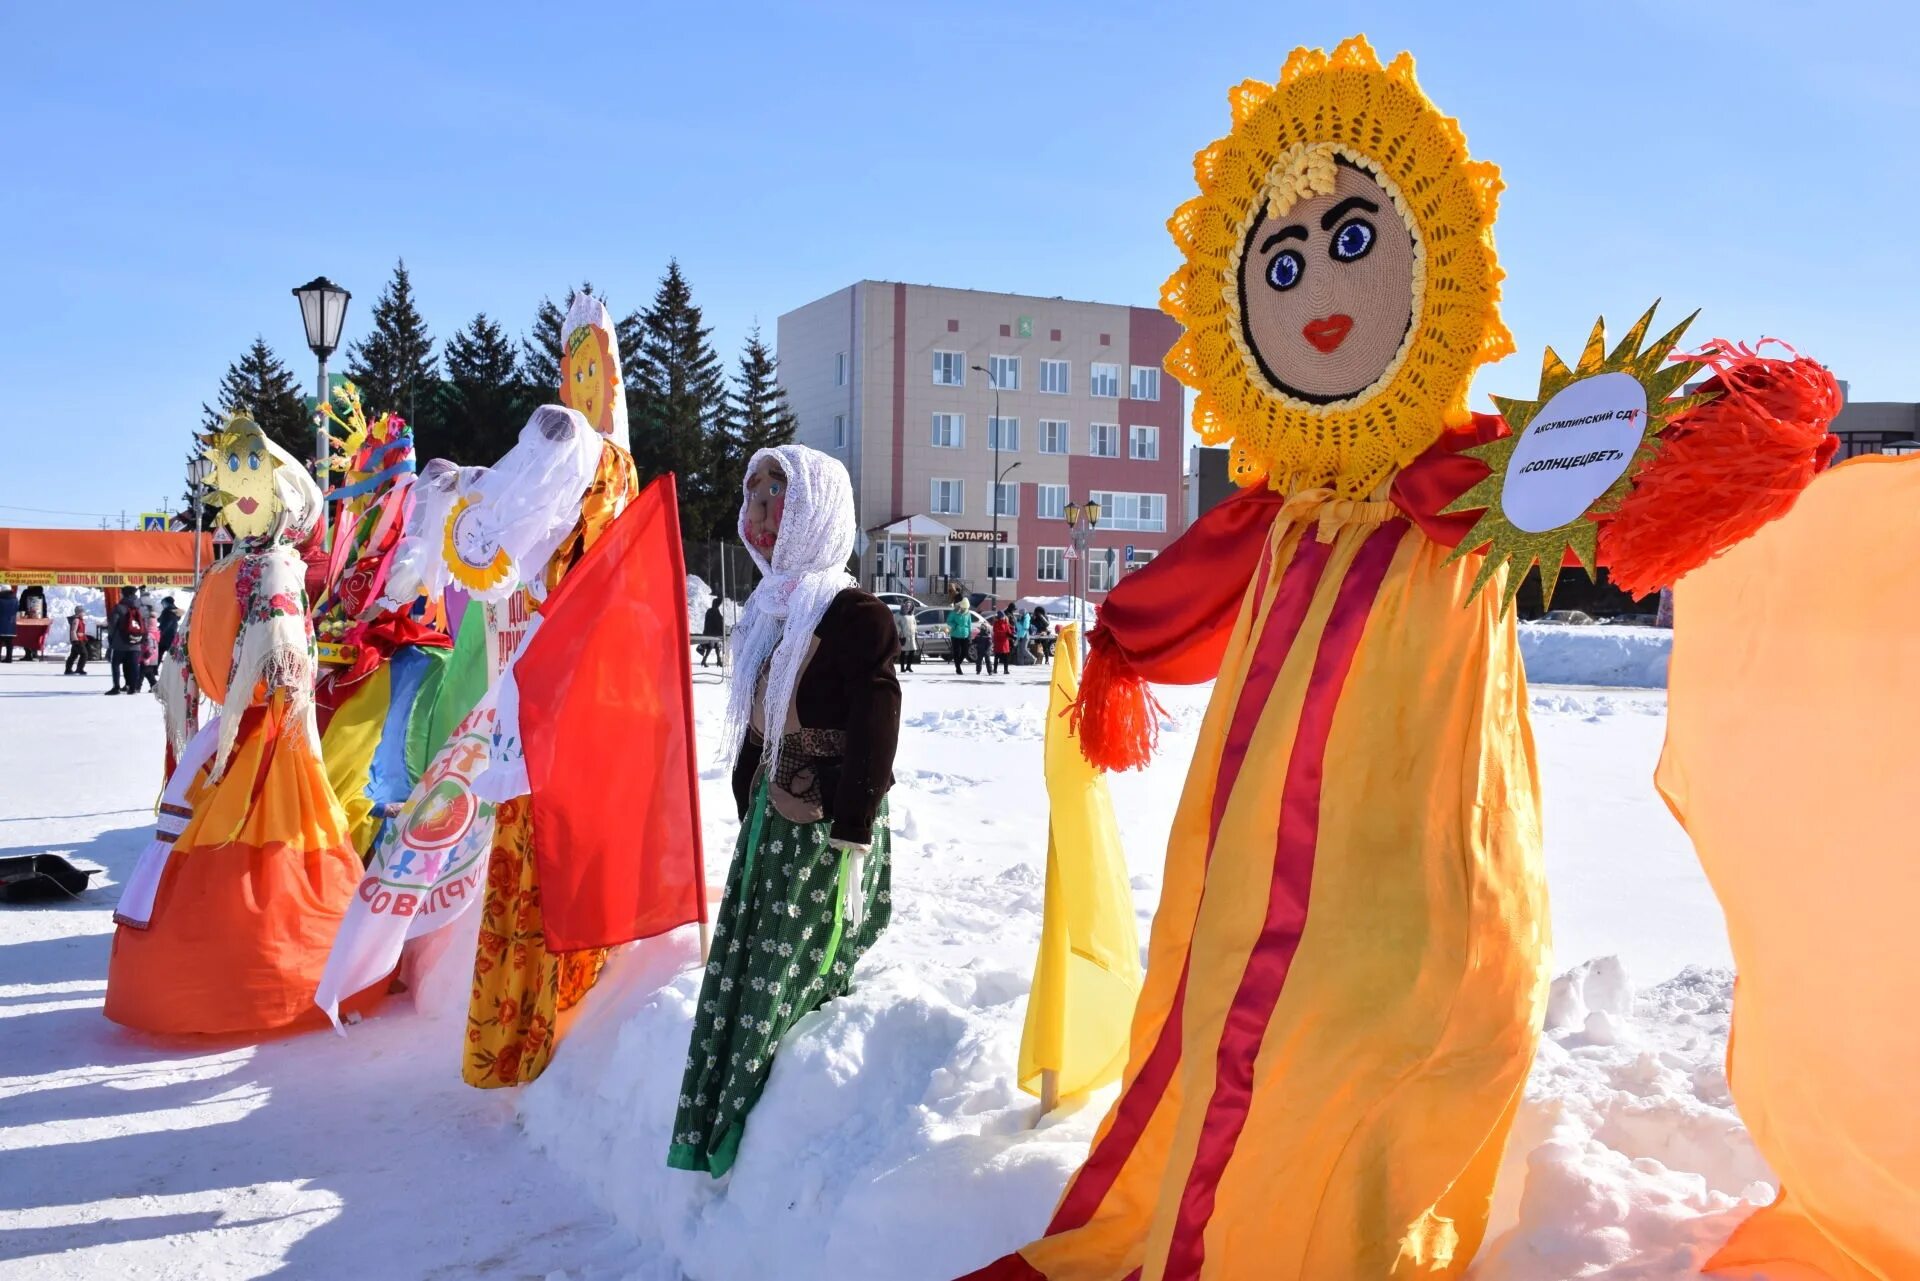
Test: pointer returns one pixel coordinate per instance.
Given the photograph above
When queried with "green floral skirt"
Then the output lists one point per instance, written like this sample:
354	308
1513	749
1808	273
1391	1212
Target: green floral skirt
780	951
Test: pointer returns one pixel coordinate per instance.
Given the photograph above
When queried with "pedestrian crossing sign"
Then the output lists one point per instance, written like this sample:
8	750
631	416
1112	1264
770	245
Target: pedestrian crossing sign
153	522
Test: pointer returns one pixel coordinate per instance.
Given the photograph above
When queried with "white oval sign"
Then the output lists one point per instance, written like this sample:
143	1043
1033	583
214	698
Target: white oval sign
1574	449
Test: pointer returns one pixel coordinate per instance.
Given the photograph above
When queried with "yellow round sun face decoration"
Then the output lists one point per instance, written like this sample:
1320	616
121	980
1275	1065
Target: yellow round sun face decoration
1340	286
475	559
243	478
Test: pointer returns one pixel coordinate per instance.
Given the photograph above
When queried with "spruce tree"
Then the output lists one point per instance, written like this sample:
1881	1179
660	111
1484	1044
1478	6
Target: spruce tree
679	410
394	366
264	389
758	416
483	402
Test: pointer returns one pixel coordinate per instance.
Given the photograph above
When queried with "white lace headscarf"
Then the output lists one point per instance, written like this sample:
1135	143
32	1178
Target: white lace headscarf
275	644
809	568
529	501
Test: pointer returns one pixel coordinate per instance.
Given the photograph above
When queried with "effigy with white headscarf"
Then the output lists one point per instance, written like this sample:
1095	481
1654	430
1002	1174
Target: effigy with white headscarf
807	570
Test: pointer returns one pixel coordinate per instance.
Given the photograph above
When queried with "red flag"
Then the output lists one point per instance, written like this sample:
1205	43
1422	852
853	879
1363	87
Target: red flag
606	717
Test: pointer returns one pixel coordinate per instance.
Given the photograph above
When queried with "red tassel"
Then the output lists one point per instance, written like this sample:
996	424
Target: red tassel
1116	716
1723	469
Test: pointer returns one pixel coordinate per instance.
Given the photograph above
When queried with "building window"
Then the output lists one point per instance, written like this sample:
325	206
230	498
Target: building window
839	431
1006	498
949	369
1050	565
1050	502
1141	556
1100	574
1146	383
949	498
1144	512
950	560
1103	440
1054	378
1003	561
840	369
1144	442
949	431
1053	435
1003	434
1004	372
1105	381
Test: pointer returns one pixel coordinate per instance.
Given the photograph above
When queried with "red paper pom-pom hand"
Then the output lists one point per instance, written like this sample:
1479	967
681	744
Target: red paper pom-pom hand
1725	468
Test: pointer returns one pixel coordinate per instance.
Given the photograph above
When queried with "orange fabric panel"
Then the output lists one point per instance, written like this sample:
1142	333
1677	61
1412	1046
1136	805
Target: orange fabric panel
100	551
214	626
1793	707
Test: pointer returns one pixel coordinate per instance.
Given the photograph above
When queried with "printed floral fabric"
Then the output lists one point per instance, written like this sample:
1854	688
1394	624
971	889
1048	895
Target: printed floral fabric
519	988
780	951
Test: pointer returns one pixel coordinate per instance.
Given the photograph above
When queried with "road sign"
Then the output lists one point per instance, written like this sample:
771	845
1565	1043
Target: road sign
153	521
1128	554
1073	553
223	537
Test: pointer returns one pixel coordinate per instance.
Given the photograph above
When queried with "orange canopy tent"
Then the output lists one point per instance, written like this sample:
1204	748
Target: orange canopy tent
99	557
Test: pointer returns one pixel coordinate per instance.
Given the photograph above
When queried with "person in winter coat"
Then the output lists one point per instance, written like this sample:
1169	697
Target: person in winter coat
1021	624
9	612
960	635
169	626
150	648
909	633
982	647
77	643
1042	627
126	629
1003	641
715	625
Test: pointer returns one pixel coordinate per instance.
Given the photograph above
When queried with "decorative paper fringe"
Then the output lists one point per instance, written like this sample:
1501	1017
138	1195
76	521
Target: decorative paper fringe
1116	716
1724	469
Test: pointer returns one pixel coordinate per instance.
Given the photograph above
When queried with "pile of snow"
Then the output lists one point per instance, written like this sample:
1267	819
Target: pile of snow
1563	654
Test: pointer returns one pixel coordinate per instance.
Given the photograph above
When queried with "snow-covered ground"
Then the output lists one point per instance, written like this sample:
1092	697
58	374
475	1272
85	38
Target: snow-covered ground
891	1142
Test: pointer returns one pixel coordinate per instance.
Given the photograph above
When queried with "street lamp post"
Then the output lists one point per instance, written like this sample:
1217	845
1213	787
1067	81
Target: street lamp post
199	475
1080	535
323	310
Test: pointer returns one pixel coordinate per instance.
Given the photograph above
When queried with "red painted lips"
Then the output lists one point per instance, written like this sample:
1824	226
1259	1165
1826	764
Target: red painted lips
1327	332
247	505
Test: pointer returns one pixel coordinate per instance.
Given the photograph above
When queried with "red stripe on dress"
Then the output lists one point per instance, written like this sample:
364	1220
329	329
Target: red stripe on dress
1292	599
1272	956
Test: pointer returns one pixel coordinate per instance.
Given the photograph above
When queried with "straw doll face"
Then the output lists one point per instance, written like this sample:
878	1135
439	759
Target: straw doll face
766	505
244	477
1327	290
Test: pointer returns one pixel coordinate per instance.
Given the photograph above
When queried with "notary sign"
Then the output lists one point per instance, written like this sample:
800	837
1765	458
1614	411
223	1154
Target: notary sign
1575	448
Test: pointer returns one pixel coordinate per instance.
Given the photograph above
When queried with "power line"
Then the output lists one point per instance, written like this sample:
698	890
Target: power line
53	511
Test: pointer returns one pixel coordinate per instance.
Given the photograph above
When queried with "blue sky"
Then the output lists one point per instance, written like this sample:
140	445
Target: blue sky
170	178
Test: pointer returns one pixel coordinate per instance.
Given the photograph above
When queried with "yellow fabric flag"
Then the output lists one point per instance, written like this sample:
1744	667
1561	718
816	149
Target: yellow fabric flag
1793	710
1088	975
348	746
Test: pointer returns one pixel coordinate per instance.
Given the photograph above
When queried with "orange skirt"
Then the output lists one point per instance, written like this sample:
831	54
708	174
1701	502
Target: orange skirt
250	900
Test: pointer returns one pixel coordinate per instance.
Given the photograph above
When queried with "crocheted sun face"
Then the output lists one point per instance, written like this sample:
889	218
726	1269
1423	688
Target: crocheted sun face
1340	286
1327	290
243	476
586	377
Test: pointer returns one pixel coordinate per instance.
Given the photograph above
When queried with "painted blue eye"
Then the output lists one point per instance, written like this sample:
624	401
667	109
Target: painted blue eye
253	461
1352	241
1285	270
233	462
775	489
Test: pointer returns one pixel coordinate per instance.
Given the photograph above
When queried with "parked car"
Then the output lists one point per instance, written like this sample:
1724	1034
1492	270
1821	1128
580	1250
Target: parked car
896	601
1575	616
932	624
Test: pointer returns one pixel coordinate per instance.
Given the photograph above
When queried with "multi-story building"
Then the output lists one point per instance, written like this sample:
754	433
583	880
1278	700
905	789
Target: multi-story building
914	386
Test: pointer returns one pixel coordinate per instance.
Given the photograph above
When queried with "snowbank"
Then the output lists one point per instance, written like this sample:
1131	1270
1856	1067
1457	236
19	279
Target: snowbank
1561	654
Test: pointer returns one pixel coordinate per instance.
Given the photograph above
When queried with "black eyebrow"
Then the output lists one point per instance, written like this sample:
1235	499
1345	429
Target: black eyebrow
1294	232
1345	207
